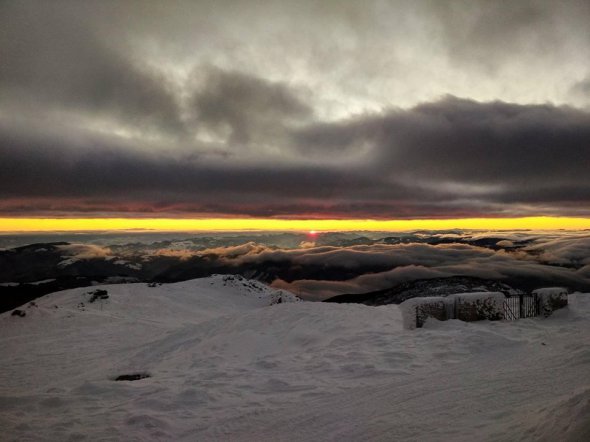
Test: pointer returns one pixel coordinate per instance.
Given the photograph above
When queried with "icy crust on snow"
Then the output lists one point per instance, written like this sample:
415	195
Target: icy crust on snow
214	361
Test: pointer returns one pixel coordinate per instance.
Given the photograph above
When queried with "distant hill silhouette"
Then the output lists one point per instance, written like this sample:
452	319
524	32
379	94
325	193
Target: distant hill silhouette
424	287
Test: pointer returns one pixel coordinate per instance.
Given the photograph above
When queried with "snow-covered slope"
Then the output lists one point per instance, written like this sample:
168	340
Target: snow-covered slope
225	364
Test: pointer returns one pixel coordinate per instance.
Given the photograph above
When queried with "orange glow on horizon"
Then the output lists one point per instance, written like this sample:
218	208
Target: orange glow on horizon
15	225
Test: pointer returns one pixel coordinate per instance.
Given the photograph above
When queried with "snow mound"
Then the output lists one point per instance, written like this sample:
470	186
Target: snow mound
183	302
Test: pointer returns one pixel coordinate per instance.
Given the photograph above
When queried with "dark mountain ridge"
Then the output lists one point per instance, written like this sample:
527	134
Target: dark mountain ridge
424	288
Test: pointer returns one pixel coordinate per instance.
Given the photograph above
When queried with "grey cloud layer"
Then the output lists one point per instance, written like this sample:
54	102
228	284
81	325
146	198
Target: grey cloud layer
214	107
54	60
450	158
249	108
496	151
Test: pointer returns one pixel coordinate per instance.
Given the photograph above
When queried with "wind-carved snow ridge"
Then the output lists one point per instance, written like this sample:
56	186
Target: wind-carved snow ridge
251	287
212	359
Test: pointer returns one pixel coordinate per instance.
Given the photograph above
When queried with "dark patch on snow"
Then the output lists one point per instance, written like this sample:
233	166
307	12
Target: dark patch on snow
98	294
19	313
132	377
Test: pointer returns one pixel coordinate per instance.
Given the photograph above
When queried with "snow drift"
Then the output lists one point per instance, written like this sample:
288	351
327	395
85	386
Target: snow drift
218	359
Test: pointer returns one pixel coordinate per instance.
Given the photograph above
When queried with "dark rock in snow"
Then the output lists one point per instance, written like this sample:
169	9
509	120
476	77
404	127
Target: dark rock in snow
98	294
132	377
19	313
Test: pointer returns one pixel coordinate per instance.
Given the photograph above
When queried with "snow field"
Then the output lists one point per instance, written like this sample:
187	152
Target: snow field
227	365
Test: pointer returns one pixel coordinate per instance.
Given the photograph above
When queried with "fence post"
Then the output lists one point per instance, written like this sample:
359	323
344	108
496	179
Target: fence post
521	306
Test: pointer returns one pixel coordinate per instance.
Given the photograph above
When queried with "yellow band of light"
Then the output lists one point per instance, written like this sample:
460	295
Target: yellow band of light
237	224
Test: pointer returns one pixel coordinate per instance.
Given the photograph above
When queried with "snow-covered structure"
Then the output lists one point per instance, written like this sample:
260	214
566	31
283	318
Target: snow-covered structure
415	311
464	306
479	306
551	299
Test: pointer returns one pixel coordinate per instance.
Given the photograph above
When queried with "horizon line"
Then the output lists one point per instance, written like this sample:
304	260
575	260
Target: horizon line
32	225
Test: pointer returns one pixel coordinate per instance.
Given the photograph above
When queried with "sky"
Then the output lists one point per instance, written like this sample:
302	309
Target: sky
381	110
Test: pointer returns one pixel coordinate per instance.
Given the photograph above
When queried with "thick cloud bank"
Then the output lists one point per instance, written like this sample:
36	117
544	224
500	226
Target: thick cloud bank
450	158
330	109
327	265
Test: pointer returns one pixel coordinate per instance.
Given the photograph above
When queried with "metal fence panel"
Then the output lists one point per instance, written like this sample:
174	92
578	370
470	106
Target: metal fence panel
521	306
514	307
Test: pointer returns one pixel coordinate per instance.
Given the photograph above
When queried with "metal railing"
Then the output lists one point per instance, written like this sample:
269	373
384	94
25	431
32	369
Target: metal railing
521	306
513	307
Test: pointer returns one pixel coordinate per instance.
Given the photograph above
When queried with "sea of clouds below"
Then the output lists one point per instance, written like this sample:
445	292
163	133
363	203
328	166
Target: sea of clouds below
327	264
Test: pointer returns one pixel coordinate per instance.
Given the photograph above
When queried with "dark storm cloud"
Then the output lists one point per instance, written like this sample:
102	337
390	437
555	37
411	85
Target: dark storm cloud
87	168
250	108
489	143
56	59
464	140
87	164
451	158
495	152
276	109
